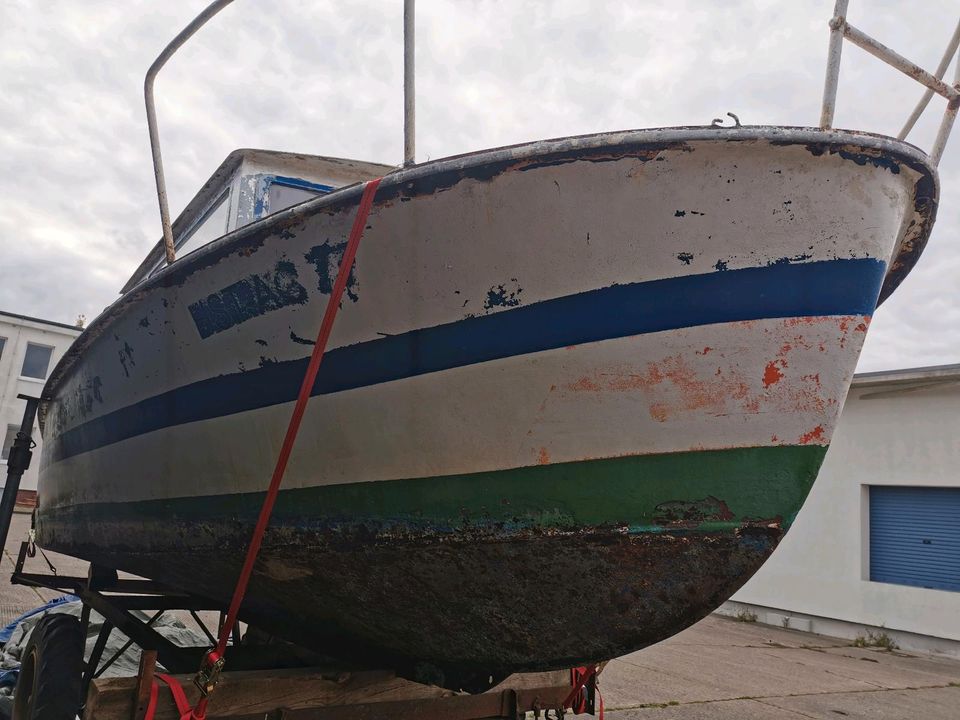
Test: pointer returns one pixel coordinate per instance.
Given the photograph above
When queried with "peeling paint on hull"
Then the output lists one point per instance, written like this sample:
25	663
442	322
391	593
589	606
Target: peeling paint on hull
251	297
606	368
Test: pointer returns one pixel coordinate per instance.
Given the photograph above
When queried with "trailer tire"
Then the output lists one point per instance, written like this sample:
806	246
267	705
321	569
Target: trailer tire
51	671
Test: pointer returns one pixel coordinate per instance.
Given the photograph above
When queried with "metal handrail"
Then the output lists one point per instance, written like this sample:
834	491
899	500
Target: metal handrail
409	100
198	22
841	29
928	93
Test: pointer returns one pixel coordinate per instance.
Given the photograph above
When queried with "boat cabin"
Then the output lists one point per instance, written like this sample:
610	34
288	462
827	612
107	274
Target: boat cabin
248	186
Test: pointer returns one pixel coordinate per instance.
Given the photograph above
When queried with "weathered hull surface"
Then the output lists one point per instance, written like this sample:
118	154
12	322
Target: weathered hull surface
575	396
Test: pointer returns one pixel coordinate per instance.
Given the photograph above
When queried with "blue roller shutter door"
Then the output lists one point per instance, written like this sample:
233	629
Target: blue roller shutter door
915	536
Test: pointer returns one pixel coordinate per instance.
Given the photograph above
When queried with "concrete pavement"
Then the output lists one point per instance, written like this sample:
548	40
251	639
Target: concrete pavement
721	668
17	599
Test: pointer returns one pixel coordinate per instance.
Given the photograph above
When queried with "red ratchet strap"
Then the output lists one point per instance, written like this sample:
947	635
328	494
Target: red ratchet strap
577	699
214	658
179	697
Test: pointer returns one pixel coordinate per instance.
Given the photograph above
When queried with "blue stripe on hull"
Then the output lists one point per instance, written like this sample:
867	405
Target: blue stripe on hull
830	287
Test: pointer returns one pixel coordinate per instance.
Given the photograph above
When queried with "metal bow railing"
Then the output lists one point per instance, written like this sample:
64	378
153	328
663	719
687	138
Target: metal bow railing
409	110
841	29
188	32
839	26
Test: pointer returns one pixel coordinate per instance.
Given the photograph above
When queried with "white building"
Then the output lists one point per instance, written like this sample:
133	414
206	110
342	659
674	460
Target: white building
29	350
876	547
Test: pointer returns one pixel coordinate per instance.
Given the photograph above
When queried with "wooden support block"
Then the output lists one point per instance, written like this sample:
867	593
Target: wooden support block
141	691
523	681
509	704
256	693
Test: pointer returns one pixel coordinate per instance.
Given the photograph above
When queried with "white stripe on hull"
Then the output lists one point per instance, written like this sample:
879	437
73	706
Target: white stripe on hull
744	384
524	237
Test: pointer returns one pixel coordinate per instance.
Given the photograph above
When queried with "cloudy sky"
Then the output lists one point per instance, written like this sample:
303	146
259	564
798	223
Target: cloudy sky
77	205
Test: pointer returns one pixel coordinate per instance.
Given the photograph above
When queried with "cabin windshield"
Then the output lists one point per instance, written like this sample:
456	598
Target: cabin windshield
249	186
235	208
210	226
282	193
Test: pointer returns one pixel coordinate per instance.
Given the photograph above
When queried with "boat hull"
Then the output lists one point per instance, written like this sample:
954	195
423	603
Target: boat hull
575	395
475	597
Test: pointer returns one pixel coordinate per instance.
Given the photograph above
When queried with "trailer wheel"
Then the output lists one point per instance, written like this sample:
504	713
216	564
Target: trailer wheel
51	671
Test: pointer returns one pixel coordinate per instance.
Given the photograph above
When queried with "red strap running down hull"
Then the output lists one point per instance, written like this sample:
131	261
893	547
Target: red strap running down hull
323	336
579	677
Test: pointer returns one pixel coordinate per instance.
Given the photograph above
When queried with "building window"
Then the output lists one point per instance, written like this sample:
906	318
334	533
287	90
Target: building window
3	341
8	440
36	362
915	536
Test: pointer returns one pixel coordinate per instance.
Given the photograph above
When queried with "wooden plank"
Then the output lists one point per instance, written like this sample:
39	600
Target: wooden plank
507	703
256	693
522	681
457	707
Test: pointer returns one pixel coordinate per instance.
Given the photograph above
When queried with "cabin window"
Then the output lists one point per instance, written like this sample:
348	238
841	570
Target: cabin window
283	196
36	362
210	227
8	440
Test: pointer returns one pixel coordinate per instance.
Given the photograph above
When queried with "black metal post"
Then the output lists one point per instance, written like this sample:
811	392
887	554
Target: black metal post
17	462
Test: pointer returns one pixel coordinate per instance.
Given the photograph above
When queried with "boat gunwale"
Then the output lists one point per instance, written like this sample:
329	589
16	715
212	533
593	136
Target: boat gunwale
815	139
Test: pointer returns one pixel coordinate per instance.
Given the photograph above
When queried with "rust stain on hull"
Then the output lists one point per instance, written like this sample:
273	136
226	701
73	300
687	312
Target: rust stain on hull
772	374
676	385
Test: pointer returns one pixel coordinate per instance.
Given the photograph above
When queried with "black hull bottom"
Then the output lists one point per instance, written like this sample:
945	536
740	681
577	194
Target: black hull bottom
522	603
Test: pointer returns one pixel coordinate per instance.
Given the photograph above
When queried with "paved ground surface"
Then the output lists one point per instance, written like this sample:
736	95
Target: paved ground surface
722	669
17	599
719	669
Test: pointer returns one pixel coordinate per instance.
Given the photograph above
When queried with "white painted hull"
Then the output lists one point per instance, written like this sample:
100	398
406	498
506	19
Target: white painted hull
661	294
543	234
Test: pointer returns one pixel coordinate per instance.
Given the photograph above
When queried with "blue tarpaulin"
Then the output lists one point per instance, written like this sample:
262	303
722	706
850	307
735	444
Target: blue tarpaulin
7	631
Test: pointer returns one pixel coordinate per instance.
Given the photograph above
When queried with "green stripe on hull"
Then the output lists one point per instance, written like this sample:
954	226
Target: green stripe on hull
705	491
345	569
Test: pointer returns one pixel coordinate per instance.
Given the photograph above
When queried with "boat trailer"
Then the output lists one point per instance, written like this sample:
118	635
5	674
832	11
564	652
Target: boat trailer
276	681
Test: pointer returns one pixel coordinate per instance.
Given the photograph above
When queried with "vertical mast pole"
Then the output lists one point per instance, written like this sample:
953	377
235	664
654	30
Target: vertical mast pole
409	85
